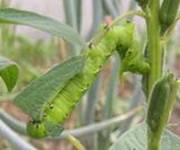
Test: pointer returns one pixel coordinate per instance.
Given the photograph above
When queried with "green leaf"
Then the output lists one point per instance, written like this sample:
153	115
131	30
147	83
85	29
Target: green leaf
135	139
42	90
14	16
8	72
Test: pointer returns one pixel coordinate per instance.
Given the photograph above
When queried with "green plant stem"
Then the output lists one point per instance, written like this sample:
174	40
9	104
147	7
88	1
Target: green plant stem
75	142
155	52
154	143
155	57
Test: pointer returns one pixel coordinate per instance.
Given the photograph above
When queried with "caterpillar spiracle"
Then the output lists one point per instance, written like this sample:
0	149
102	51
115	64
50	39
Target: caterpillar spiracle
58	110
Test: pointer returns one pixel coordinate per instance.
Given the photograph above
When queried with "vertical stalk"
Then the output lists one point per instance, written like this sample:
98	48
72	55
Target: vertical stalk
111	8
79	6
75	142
92	98
154	49
134	102
71	19
155	57
154	143
112	88
97	18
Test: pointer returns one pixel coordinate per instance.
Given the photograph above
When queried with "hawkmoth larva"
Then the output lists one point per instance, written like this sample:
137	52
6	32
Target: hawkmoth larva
57	110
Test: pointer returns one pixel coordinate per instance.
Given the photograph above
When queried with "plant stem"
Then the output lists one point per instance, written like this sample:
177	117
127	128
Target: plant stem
154	49
14	138
76	143
154	143
155	57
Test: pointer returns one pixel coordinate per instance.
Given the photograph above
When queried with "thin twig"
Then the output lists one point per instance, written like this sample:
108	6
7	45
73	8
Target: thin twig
75	142
14	138
96	127
12	122
127	14
90	129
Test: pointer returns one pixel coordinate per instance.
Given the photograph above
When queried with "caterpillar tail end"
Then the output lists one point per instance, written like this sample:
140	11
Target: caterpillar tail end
38	130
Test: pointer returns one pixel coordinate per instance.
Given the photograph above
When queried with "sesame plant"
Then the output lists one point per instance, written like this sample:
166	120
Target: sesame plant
50	99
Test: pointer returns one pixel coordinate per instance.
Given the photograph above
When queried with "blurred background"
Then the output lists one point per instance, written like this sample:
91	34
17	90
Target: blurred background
109	98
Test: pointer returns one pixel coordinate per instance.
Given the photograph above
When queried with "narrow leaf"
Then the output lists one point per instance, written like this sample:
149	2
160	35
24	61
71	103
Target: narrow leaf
14	16
8	72
32	99
136	139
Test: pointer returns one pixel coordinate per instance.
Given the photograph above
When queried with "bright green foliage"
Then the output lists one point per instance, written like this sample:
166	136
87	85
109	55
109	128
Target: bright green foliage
8	72
39	92
14	16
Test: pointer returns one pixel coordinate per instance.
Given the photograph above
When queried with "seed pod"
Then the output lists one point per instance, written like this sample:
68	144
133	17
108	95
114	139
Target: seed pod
168	13
161	101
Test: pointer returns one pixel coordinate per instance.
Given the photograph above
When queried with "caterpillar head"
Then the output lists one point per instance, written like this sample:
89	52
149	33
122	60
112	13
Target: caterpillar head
36	129
134	60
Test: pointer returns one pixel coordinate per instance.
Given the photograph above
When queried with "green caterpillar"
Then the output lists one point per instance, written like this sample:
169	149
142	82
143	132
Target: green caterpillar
55	112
